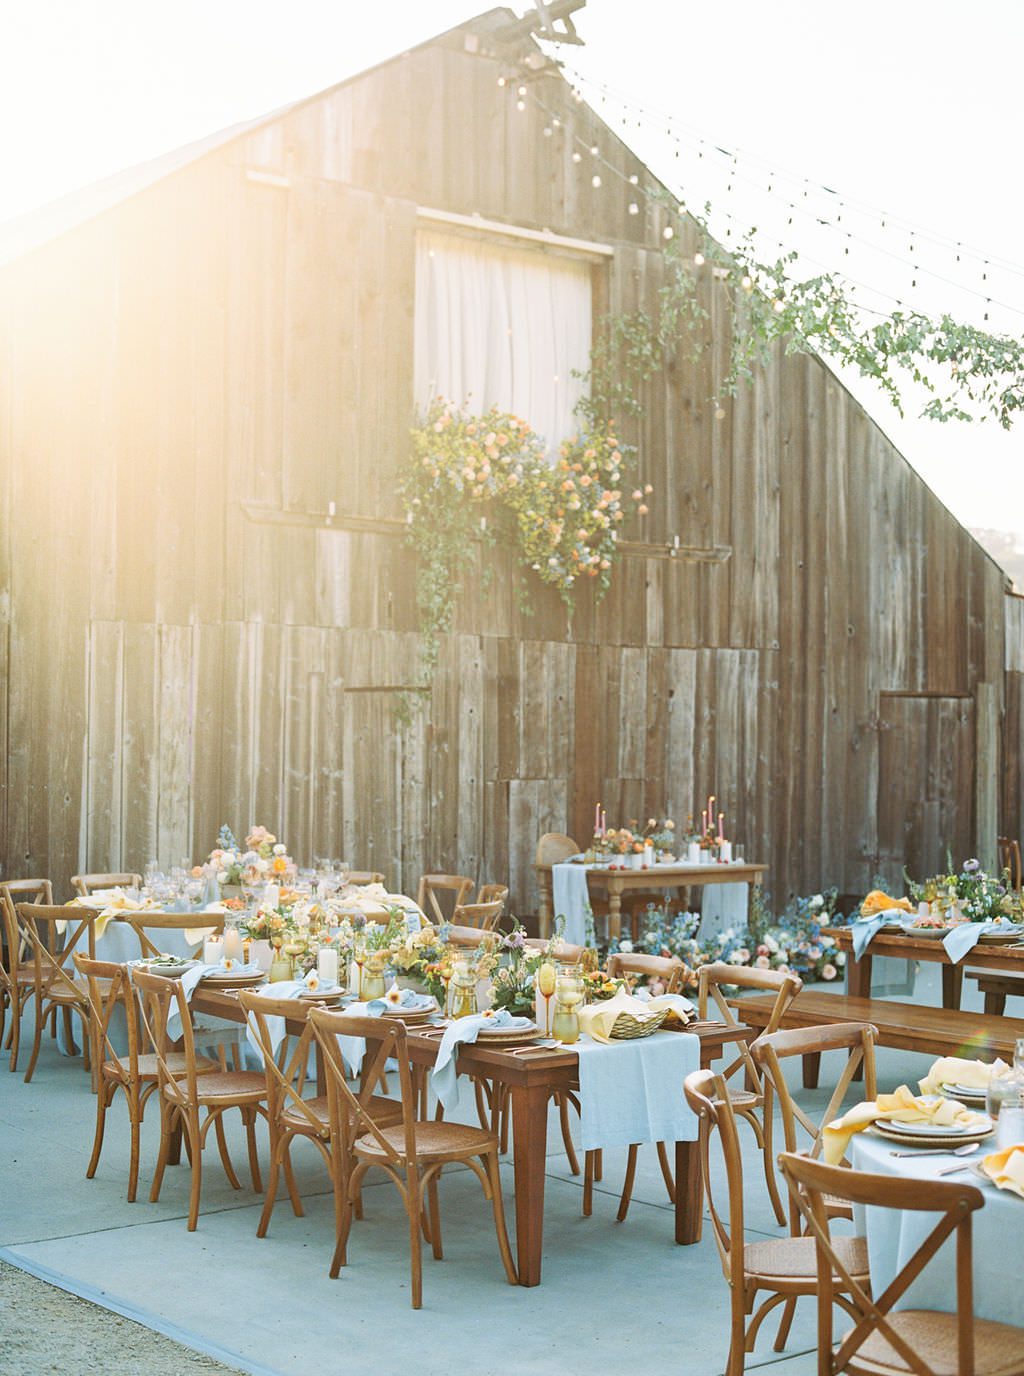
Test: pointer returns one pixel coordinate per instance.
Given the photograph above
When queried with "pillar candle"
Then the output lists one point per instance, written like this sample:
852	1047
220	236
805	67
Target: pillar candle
213	950
725	851
327	964
232	943
721	825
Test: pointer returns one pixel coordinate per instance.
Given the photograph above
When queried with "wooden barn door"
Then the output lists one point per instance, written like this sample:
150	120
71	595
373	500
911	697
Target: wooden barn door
925	783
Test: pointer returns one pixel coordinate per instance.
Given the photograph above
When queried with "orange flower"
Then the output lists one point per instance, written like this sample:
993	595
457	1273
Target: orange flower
280	864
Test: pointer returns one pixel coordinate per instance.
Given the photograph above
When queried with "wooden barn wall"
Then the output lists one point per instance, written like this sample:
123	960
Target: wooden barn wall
187	637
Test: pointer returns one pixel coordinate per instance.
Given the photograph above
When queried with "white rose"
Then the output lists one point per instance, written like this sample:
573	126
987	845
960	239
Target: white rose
626	947
222	876
817	901
280	849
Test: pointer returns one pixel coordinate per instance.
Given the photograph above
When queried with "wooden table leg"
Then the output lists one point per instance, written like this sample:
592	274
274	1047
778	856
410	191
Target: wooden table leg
614	909
530	1131
688	1193
952	985
858	976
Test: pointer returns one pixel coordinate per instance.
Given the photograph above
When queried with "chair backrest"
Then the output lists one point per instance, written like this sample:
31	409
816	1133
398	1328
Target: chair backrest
715	976
493	893
158	996
51	950
286	1068
86	883
169	922
708	1095
668	968
350	1110
12	892
466	938
483	916
364	877
565	950
1009	859
433	888
110	988
771	1049
554	847
809	1182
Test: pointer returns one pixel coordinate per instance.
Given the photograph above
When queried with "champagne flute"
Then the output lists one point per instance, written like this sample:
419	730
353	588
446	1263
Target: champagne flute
546	985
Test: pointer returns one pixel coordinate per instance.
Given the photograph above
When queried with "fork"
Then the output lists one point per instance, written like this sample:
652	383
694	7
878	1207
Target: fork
968	1149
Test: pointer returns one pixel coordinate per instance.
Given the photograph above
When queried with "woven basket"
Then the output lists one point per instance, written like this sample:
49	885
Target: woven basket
627	1028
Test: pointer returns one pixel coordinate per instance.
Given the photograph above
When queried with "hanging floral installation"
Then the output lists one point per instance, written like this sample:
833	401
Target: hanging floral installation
490	477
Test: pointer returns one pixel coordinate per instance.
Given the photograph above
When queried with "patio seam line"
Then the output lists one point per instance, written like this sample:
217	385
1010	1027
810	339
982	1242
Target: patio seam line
183	1336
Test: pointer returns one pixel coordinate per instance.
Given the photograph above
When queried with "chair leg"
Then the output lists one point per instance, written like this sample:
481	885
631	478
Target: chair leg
103	1101
222	1147
268	1203
166	1130
435	1219
414	1203
344	1225
289	1179
570	1150
666	1171
249	1117
599	1164
192	1134
769	1171
69	1030
14	1038
134	1126
498	1205
788	1310
41	1019
627	1188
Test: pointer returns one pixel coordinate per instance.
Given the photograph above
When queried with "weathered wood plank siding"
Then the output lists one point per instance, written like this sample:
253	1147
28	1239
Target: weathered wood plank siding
188	637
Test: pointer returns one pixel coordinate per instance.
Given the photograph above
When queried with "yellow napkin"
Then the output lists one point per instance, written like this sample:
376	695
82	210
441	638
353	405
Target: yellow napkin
194	936
879	902
112	901
951	1070
899	1107
1006	1169
598	1019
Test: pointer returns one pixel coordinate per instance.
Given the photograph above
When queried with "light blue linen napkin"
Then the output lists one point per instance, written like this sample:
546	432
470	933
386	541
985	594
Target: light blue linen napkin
189	980
865	928
283	989
966	936
444	1076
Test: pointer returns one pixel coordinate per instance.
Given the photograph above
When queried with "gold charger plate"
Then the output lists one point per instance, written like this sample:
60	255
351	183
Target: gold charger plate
921	1139
962	1094
411	1015
229	979
322	996
507	1036
999	938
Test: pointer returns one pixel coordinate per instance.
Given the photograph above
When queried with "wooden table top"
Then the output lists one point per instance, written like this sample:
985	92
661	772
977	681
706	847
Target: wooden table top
909	946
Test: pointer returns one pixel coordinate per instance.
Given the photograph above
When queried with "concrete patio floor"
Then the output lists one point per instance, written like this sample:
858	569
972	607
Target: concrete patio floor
269	1306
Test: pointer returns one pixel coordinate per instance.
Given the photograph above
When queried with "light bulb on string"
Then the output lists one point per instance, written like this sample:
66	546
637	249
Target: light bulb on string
634	209
502	81
698	260
595	181
520	105
521	91
594	150
668	233
634	180
577	156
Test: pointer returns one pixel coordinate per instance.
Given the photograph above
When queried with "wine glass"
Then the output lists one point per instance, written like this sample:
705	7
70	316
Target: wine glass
546	981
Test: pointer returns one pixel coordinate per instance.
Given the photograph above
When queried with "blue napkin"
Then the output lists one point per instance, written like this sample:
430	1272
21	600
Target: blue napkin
966	936
865	928
444	1076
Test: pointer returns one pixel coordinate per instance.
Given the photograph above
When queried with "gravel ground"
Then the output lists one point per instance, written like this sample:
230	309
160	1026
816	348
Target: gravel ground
47	1330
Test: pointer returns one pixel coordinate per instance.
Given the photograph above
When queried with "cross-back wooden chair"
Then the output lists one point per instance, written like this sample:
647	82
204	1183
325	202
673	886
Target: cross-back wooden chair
1009	859
183	1097
168	922
673	972
567	951
885	1339
492	893
799	1131
483	916
438	895
289	1113
135	1072
760	1275
412	1153
85	884
17	984
749	1102
50	935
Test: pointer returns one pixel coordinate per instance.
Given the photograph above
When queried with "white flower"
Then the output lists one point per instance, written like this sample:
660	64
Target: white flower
772	944
626	947
840	957
312	980
817	901
280	849
261	865
222	876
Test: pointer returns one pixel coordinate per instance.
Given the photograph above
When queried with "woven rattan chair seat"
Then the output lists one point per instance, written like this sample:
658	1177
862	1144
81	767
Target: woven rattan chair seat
383	1111
434	1141
998	1347
176	1064
793	1258
232	1086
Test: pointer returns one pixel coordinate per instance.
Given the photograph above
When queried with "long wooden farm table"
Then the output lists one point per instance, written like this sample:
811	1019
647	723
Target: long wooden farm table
908	947
616	882
532	1081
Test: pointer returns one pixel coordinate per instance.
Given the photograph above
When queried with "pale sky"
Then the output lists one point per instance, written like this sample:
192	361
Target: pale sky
908	108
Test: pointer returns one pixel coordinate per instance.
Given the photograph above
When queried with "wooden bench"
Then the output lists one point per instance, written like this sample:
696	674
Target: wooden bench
906	1026
997	985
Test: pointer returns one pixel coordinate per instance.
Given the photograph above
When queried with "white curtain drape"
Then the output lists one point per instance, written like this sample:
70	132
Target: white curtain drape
501	326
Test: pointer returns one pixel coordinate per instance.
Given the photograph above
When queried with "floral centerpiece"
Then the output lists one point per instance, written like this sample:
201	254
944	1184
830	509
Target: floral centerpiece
598	985
420	961
981	897
263	857
514	979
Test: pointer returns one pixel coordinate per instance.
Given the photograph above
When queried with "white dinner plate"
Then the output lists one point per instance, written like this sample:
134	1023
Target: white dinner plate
938	1129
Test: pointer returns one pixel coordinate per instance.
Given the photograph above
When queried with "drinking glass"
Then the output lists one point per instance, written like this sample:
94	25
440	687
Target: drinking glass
546	980
738	854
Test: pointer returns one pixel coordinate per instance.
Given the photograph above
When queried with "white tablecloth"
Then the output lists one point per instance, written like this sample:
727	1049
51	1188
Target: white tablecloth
721	905
893	1235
